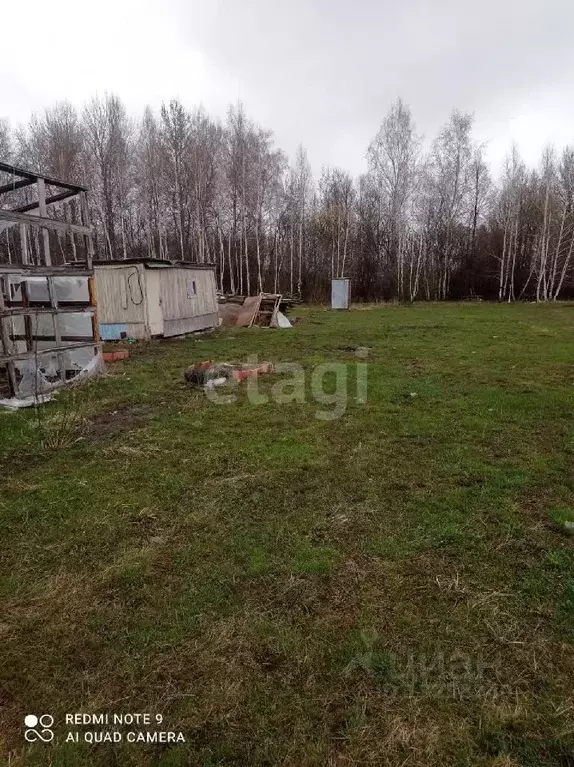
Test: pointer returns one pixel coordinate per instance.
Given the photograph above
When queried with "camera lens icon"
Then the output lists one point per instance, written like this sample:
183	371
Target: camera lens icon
39	728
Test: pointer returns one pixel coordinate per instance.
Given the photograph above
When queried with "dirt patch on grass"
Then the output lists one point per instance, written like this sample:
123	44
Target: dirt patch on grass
108	424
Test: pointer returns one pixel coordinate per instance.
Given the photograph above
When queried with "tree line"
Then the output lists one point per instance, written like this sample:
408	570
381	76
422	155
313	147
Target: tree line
426	221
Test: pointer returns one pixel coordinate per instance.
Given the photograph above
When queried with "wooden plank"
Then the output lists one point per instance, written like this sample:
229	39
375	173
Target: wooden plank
23	182
248	311
31	176
16	311
68	270
64	339
52	350
273	321
7	346
27	316
89	241
49	201
42	209
67	215
57	331
267	313
50	223
94	307
24	243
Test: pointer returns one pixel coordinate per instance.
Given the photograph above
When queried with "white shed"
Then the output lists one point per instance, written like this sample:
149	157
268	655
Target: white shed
141	298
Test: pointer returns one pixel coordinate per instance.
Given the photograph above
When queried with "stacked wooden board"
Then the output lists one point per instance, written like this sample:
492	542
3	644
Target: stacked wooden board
261	310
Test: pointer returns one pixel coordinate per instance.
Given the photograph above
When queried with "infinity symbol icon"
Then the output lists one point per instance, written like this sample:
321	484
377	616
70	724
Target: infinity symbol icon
45	722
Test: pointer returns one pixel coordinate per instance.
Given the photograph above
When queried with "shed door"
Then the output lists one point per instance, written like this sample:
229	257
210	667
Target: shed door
155	314
177	297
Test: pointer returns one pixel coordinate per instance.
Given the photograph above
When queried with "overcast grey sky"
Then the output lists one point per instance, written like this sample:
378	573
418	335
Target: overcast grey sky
320	72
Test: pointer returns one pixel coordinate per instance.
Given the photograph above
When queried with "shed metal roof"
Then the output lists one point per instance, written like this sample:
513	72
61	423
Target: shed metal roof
151	263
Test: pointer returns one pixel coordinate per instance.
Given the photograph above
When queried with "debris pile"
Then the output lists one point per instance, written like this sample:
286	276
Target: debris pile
206	374
209	374
265	310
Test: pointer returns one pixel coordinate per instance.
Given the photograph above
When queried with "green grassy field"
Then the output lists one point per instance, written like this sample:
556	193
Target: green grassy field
391	587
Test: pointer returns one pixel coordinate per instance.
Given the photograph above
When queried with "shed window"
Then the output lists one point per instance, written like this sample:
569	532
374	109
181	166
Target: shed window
191	288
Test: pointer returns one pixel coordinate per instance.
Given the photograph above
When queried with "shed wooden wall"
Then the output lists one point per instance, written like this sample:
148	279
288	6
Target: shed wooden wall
121	293
182	311
176	298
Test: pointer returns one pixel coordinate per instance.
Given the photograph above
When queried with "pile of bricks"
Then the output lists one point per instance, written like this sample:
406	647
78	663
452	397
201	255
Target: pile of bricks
202	373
